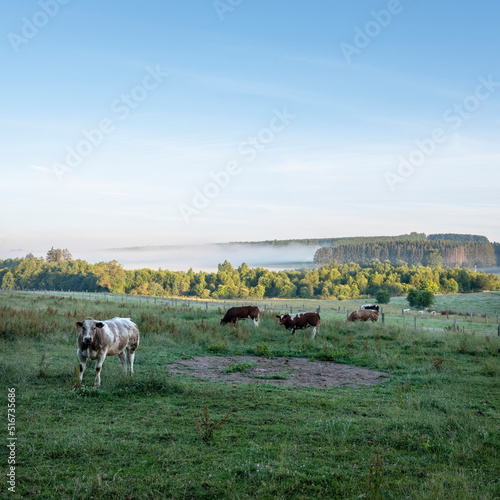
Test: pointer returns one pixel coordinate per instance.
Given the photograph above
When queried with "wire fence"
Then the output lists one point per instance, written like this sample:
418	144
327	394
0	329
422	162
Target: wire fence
405	319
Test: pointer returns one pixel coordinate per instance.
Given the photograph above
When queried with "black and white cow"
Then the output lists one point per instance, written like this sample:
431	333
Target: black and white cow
371	307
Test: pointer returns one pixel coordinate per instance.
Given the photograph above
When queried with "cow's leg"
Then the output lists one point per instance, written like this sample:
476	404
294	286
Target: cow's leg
256	321
130	358
100	361
313	332
83	364
123	361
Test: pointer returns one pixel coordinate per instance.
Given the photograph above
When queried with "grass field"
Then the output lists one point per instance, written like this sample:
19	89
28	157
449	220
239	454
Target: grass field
430	430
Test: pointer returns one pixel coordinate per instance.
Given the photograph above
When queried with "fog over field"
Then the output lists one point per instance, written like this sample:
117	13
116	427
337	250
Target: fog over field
206	257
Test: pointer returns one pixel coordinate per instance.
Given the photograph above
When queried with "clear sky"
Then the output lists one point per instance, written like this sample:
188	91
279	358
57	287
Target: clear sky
172	122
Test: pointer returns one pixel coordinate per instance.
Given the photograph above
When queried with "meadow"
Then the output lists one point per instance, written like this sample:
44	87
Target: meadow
430	429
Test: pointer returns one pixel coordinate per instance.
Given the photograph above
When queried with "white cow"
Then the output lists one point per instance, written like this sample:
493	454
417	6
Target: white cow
99	339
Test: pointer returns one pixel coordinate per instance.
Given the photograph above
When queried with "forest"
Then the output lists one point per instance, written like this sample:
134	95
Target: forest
334	281
445	252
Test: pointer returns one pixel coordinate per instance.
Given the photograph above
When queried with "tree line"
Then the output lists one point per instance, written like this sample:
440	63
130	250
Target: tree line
334	281
448	253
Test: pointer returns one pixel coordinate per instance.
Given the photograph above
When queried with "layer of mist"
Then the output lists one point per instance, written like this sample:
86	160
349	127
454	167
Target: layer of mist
207	257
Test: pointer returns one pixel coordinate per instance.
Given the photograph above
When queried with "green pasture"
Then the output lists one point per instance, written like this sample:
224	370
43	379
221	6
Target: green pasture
431	429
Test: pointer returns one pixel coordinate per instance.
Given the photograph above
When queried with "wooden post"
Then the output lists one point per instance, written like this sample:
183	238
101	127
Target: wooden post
339	309
347	313
206	306
319	309
499	330
447	315
404	320
415	322
454	325
291	309
383	318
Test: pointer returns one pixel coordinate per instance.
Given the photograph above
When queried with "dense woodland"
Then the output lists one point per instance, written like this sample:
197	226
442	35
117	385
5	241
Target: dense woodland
451	253
339	281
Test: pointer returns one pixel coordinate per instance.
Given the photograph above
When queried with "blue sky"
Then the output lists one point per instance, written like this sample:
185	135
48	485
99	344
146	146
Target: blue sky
167	123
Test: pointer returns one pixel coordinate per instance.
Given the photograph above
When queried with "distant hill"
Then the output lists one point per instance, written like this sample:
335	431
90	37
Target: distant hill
322	242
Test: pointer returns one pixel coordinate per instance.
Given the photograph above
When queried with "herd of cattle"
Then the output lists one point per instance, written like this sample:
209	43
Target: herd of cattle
120	336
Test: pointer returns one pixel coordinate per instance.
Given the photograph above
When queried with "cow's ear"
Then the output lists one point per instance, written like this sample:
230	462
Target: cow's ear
278	316
99	324
79	324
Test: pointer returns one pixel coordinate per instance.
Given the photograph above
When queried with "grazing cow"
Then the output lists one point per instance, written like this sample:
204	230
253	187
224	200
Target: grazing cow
372	307
245	312
99	339
433	312
406	310
363	315
421	312
300	321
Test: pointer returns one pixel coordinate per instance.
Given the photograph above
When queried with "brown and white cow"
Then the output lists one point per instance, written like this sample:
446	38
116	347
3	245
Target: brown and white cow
99	339
300	321
363	315
244	312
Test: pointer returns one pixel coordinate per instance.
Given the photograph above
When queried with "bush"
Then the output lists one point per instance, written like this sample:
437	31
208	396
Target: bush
383	297
420	298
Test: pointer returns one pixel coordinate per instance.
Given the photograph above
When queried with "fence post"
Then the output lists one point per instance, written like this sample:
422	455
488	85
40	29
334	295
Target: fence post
415	321
291	309
206	306
454	325
499	330
383	318
319	309
347	313
404	320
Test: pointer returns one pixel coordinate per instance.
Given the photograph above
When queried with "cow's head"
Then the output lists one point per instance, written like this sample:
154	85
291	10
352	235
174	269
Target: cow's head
284	318
89	329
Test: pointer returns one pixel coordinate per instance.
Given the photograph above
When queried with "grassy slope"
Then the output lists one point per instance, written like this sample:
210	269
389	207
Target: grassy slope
430	431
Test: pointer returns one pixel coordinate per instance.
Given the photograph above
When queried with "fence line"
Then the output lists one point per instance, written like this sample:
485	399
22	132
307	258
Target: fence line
176	302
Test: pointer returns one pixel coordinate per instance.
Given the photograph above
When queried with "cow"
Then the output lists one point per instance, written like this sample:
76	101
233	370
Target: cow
406	310
300	321
244	312
372	307
98	339
363	315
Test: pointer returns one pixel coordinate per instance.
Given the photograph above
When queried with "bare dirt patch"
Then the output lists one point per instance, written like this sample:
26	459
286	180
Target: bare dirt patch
279	371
